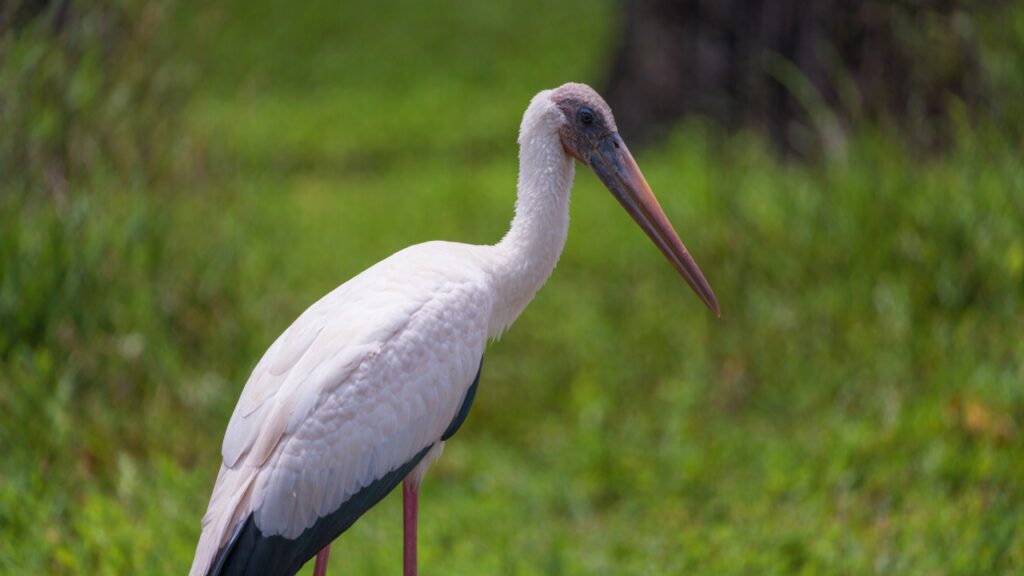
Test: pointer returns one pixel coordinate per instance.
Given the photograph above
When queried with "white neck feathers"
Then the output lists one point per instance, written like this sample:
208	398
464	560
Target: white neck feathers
526	256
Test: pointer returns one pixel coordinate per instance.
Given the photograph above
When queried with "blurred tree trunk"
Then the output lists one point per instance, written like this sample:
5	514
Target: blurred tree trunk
801	72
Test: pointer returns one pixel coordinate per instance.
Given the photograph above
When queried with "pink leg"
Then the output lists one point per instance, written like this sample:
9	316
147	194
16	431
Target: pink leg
410	506
320	568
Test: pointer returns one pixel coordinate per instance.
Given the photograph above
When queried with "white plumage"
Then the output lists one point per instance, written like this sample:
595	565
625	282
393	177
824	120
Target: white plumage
375	372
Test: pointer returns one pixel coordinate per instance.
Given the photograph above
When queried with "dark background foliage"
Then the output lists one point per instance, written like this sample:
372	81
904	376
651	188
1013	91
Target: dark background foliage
179	180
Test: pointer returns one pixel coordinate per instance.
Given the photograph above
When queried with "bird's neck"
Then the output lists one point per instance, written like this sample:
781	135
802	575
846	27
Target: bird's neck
526	256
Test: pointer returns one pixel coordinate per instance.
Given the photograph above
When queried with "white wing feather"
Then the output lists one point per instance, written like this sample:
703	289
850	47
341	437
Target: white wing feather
362	381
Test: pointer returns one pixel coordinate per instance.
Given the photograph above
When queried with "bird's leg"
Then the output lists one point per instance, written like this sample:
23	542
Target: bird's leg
320	567
410	506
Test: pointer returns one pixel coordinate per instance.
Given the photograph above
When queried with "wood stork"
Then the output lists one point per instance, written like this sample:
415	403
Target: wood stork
364	388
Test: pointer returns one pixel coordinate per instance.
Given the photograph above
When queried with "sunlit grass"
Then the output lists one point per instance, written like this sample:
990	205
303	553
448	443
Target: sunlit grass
857	409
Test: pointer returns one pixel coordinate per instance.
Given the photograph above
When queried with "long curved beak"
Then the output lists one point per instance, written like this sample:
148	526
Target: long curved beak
615	166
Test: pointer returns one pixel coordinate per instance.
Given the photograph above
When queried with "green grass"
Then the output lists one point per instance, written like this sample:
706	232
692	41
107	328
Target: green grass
857	410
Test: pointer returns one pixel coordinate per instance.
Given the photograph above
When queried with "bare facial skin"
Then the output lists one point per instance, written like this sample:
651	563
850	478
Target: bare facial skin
591	136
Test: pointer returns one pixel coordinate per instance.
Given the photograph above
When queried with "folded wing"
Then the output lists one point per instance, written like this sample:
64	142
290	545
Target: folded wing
365	380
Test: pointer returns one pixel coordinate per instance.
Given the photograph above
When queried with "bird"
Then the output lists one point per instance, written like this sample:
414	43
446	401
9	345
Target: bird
363	390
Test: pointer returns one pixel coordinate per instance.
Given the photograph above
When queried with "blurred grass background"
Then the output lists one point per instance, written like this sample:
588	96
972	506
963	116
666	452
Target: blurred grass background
180	180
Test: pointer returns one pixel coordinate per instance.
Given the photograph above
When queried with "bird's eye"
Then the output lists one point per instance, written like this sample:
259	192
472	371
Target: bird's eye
586	116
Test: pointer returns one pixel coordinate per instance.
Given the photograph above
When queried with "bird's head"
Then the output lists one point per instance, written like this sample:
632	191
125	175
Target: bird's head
588	133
